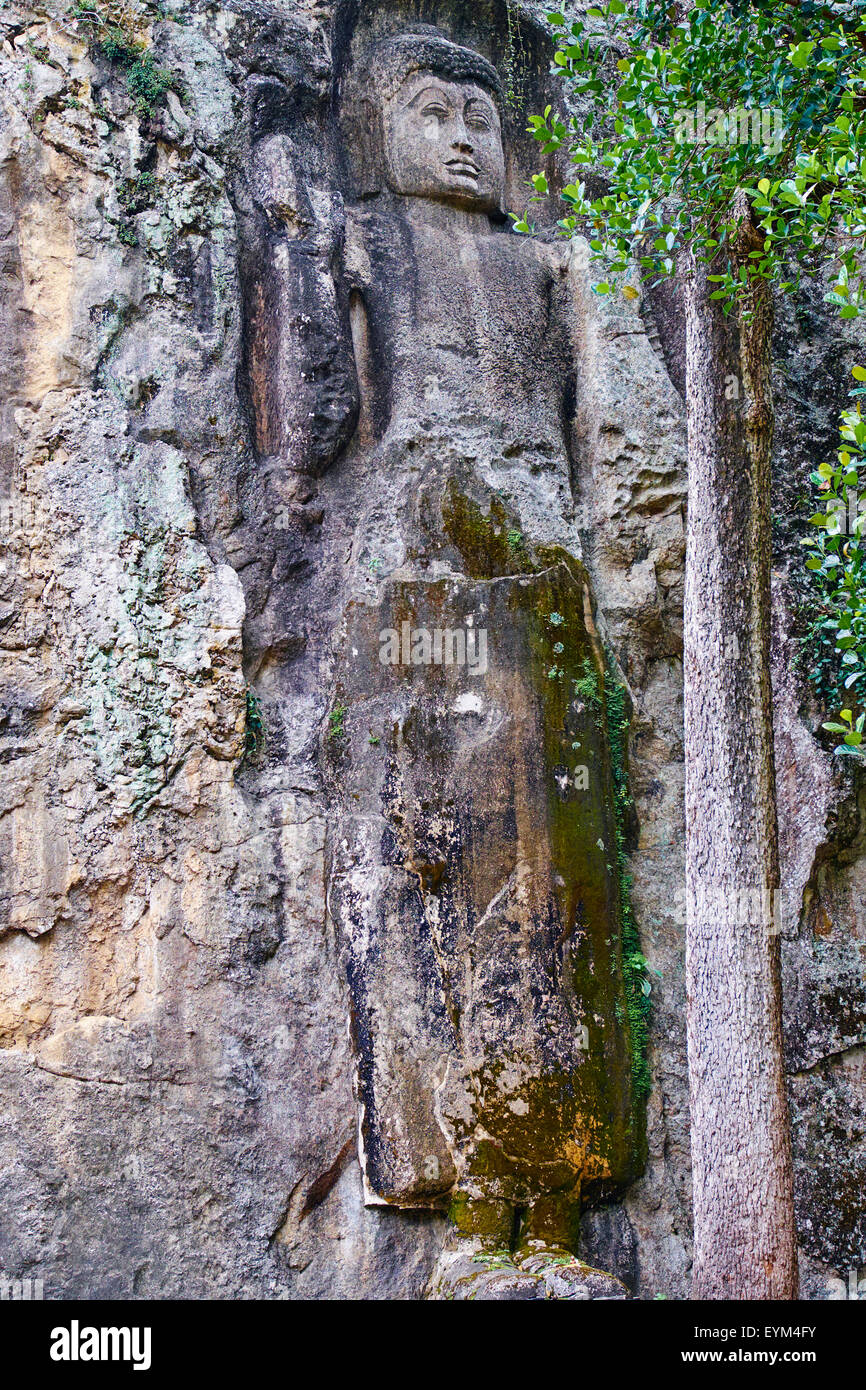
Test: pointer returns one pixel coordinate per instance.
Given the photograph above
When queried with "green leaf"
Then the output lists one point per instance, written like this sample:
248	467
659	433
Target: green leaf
800	55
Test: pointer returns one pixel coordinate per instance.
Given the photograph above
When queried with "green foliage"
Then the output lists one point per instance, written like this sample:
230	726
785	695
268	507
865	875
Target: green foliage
254	728
494	1259
836	561
115	46
852	729
146	82
645	76
133	195
335	721
516	58
634	962
816	656
586	686
697	121
635	966
138	193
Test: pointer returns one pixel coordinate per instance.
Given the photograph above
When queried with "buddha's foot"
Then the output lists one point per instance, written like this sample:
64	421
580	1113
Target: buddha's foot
565	1277
467	1270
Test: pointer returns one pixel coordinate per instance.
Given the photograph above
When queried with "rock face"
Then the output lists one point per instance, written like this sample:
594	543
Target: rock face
289	410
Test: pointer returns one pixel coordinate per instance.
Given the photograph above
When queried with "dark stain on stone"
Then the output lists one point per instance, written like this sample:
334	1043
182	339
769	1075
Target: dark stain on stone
323	1184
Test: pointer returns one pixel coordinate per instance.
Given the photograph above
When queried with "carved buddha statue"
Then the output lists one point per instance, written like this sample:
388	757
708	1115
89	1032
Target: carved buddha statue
472	874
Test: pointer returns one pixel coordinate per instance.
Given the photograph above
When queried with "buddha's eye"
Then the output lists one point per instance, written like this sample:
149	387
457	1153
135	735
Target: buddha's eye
478	119
435	109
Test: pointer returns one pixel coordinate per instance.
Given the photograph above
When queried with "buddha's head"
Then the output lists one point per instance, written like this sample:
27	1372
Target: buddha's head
437	127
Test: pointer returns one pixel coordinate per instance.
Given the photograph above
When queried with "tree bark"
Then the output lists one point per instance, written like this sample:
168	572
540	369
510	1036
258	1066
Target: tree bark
745	1245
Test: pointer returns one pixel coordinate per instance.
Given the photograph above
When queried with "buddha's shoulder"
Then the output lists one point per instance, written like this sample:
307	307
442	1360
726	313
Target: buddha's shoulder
371	224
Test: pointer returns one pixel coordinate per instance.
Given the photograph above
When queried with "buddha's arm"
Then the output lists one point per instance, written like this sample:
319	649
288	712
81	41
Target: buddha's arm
299	366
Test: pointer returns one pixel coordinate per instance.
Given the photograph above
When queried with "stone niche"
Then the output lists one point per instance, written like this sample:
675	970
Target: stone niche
420	380
346	1014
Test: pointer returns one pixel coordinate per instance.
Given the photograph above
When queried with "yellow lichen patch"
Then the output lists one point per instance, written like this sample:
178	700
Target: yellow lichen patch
48	282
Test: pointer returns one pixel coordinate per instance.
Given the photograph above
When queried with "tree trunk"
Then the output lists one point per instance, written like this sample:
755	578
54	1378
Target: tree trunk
745	1244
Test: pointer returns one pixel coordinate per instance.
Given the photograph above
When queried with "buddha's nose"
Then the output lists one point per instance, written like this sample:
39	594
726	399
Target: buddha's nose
462	141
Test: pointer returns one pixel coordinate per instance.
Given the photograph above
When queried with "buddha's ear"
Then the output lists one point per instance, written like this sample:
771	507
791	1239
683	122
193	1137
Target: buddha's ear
365	146
500	214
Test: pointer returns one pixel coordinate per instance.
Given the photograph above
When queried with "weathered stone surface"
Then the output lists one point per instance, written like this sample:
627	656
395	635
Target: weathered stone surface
203	474
471	873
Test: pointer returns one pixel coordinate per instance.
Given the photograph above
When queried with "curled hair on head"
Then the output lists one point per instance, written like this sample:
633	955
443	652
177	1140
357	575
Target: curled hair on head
424	49
381	73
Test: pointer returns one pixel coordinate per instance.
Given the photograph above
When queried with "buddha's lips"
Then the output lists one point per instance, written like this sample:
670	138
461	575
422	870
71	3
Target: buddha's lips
463	166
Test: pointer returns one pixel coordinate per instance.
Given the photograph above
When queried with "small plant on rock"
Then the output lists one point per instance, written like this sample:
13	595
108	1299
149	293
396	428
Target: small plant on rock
254	728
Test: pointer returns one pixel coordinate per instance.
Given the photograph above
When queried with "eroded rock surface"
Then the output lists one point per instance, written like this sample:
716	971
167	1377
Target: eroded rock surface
206	487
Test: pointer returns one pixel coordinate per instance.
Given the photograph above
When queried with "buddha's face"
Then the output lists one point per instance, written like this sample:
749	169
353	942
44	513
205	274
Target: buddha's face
443	140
